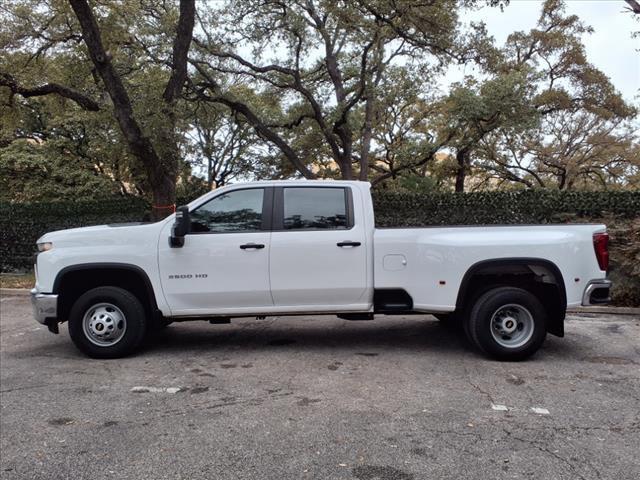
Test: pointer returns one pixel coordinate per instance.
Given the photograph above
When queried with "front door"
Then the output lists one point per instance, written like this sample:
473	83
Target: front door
318	251
223	267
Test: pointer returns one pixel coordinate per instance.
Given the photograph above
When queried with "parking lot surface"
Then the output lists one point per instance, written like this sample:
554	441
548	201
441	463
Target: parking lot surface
317	397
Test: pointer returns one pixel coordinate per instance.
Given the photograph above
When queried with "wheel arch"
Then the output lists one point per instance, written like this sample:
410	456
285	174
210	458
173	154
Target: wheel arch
74	280
505	270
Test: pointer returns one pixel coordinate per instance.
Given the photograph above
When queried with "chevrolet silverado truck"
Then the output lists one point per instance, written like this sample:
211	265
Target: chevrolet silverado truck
311	247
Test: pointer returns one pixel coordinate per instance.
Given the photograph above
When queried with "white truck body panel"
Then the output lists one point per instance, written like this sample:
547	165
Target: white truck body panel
304	271
129	245
223	277
437	255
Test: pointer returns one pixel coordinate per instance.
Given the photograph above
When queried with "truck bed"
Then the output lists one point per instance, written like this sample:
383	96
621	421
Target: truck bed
430	263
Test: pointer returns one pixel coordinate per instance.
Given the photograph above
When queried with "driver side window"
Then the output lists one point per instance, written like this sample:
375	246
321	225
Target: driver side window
237	211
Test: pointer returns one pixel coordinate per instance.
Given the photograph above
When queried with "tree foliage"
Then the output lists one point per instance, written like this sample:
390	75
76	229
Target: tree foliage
109	65
145	94
36	172
536	74
330	68
570	150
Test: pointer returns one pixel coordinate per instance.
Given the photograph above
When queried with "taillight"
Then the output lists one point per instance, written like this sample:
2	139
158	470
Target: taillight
601	246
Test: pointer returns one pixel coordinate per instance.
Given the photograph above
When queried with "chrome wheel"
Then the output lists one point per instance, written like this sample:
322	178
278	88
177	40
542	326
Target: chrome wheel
104	324
512	325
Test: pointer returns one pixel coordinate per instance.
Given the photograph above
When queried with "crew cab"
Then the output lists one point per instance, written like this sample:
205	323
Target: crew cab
311	247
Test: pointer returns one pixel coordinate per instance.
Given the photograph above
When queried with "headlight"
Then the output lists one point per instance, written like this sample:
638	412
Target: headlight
44	246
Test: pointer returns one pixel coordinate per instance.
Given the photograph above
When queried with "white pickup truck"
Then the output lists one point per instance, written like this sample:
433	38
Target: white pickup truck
311	247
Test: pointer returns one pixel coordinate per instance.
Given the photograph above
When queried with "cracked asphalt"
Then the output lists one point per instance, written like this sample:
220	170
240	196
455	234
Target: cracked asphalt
319	398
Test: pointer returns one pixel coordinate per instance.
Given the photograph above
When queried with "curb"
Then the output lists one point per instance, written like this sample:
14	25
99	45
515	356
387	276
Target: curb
603	310
606	310
16	292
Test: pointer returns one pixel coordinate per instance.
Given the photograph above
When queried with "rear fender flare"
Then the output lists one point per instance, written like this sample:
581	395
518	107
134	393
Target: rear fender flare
556	324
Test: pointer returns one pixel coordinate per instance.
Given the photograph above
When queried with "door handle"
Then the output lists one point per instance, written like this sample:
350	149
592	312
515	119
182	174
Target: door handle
348	243
256	246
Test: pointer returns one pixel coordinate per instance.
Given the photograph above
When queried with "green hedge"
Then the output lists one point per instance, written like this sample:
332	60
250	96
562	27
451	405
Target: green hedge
21	224
395	209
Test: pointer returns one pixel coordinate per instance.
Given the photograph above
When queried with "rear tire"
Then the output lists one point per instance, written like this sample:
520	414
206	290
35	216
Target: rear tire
507	323
107	322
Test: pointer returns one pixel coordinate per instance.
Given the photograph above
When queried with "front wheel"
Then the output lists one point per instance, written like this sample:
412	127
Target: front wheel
507	323
107	322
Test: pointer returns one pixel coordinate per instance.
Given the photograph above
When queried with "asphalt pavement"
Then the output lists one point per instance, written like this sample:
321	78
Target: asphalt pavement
397	398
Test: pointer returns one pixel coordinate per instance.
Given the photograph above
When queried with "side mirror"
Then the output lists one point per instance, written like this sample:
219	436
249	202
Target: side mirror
180	227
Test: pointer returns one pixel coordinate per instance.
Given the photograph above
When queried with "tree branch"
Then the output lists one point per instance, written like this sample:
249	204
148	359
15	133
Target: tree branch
634	6
260	127
264	131
428	156
82	100
181	45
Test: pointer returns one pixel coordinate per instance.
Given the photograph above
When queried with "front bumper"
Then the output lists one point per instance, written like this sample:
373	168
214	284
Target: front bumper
597	293
45	307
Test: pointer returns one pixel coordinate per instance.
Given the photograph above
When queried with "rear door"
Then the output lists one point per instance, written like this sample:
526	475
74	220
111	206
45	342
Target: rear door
318	257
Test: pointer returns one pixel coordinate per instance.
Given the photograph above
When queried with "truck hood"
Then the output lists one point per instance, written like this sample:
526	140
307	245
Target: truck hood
117	233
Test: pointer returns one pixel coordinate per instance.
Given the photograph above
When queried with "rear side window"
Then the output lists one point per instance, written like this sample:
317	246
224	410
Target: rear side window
315	208
238	211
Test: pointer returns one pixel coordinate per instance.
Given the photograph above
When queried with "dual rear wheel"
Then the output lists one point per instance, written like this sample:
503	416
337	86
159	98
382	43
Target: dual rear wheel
506	323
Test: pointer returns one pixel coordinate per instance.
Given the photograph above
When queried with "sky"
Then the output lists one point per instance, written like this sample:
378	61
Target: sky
610	47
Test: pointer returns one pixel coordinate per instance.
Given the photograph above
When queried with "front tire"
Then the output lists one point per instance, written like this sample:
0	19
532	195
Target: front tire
507	323
107	322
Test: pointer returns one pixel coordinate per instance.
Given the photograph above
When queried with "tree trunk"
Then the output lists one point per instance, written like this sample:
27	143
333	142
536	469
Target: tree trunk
562	182
209	173
366	139
461	172
345	169
160	161
164	197
346	158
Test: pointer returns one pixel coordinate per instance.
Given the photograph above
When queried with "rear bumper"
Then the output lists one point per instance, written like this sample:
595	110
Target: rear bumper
45	306
597	293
